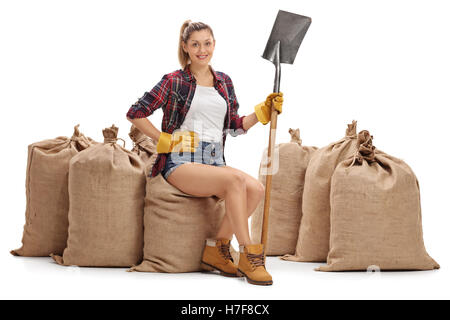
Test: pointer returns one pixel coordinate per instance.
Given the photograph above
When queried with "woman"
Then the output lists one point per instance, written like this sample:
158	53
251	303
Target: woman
200	108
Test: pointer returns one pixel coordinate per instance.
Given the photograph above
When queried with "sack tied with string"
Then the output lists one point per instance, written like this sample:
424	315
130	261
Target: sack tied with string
47	196
376	218
107	190
285	210
176	226
314	231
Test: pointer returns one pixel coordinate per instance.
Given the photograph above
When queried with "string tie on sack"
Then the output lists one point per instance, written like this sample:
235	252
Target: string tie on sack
79	138
366	150
350	132
144	138
114	140
295	136
110	135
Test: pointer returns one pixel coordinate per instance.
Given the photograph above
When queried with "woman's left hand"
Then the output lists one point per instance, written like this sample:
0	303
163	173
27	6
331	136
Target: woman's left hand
263	109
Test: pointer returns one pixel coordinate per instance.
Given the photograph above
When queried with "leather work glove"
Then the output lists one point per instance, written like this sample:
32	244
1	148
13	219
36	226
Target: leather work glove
263	109
179	141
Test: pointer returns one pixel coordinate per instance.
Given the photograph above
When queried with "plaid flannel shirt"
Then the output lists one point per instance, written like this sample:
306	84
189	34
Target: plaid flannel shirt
174	93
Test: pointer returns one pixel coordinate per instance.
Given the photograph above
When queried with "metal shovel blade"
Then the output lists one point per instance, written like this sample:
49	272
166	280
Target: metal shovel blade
290	29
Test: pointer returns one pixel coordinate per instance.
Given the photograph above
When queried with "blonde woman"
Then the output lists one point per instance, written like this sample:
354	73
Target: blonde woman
200	109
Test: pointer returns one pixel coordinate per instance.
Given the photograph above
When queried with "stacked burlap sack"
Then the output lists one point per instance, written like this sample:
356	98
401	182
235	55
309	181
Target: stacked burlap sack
107	190
285	211
176	226
376	219
314	231
47	195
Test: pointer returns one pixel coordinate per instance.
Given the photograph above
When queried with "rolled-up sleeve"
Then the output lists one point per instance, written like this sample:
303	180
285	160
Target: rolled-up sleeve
236	121
151	101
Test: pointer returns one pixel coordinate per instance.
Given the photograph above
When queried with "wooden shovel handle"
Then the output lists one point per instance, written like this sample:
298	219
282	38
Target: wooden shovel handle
270	152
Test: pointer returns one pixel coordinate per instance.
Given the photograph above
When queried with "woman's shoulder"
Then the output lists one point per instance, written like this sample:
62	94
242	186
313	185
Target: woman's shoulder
177	74
223	76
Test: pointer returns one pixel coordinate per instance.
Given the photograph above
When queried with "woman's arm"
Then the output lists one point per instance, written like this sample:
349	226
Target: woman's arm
146	127
146	105
249	121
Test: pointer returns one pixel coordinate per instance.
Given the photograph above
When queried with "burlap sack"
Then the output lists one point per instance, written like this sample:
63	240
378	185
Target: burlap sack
144	147
285	210
106	188
376	220
176	227
314	232
47	196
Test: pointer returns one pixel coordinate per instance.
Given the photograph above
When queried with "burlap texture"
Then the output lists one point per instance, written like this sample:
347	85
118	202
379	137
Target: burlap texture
107	190
47	197
144	147
314	232
376	219
176	227
285	210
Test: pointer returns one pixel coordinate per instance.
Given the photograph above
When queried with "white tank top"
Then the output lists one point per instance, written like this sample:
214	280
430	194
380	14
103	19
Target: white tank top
206	114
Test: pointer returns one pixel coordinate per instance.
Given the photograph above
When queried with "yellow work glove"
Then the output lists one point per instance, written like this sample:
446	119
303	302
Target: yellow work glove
179	141
263	109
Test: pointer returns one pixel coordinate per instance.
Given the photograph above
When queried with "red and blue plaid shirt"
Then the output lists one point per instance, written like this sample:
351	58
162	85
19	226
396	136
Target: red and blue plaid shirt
174	93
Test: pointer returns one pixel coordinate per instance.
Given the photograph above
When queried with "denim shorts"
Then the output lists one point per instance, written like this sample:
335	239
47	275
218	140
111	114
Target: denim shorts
207	153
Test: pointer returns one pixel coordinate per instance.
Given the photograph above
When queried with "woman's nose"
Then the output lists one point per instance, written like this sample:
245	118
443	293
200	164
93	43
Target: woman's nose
203	49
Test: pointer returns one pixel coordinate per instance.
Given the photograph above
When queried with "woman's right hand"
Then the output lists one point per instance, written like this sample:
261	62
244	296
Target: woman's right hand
179	141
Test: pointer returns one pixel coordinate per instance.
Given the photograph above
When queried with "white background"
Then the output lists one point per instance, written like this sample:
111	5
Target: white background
383	63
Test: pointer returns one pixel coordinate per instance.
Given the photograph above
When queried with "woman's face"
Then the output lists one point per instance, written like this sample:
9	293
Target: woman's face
200	47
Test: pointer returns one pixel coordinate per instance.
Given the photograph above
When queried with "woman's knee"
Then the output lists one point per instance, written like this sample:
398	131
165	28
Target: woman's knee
239	179
259	189
235	181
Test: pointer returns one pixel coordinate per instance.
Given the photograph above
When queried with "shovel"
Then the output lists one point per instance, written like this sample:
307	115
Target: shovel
287	34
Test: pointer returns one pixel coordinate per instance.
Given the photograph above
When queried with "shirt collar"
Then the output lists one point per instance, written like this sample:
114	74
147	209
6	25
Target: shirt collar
190	77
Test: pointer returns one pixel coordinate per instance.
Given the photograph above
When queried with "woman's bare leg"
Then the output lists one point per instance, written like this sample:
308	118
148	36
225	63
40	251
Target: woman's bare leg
205	180
255	193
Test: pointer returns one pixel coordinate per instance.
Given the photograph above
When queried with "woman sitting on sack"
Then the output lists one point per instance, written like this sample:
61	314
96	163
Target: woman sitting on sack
200	108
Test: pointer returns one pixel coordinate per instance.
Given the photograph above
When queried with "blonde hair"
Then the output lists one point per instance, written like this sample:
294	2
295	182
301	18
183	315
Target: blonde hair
186	30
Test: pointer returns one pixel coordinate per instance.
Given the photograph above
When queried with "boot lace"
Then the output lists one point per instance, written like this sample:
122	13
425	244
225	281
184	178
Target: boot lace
225	251
256	259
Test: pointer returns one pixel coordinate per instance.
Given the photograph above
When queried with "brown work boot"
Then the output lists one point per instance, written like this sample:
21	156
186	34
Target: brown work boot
251	265
217	256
